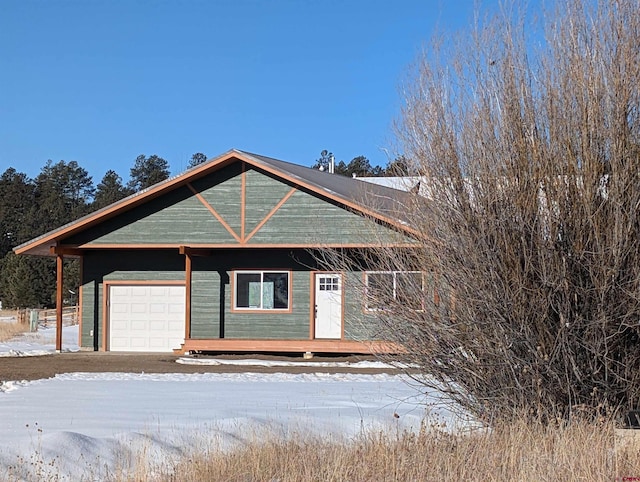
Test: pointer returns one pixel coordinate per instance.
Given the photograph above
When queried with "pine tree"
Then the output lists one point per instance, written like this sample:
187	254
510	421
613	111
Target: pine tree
109	190
147	171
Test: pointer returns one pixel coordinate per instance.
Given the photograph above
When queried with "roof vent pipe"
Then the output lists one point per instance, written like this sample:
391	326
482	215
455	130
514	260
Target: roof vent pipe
332	164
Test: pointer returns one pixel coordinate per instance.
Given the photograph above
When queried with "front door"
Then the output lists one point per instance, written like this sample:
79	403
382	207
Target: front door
328	309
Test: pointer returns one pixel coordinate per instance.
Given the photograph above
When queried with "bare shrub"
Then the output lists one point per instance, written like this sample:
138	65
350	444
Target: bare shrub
529	220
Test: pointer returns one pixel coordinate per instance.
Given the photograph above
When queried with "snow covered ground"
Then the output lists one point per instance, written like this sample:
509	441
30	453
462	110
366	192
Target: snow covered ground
41	342
82	425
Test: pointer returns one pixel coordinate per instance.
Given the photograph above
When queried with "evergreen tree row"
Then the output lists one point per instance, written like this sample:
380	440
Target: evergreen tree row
62	192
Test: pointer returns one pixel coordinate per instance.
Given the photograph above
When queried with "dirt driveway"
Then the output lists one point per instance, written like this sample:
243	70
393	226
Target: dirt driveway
36	367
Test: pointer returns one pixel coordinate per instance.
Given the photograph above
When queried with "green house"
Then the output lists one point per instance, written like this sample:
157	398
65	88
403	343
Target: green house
224	257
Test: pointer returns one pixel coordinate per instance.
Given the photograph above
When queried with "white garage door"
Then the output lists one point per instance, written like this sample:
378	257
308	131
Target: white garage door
146	318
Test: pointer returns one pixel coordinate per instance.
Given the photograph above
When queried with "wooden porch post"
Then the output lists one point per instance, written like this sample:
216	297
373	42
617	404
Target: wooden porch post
59	288
187	308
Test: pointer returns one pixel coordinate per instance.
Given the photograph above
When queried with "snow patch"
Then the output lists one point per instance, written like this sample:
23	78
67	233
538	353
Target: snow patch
283	363
10	386
41	342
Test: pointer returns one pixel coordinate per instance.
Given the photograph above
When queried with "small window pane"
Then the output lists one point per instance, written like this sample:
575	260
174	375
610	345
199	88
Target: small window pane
323	284
248	290
409	290
379	289
277	295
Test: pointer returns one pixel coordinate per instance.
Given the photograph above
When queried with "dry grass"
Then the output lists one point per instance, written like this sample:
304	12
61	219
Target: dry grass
584	451
518	451
10	330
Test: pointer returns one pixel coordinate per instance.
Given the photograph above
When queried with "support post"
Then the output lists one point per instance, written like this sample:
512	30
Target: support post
187	308
59	288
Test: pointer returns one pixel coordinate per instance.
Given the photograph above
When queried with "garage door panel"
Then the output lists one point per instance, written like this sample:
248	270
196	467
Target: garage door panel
119	308
146	318
158	343
159	308
118	325
175	325
138	343
138	325
139	307
158	325
119	342
176	291
119	290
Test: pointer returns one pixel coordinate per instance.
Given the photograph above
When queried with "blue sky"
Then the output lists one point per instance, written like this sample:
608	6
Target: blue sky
100	82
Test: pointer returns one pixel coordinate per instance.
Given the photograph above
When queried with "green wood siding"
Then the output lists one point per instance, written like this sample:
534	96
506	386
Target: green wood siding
91	315
222	190
205	298
276	325
176	218
263	193
304	218
211	282
358	324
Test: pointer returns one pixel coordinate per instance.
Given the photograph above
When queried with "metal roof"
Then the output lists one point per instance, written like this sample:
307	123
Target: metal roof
379	198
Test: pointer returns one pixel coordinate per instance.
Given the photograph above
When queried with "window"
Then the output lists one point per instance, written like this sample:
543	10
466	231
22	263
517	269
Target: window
385	287
329	283
261	290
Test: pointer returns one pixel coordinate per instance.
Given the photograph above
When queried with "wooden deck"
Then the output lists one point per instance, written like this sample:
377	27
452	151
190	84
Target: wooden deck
287	346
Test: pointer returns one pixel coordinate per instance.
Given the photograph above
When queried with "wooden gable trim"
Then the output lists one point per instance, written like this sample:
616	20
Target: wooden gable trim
271	213
324	194
128	203
214	212
38	245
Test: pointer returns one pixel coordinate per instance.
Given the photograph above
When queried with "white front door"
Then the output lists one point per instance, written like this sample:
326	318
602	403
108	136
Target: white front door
146	317
328	309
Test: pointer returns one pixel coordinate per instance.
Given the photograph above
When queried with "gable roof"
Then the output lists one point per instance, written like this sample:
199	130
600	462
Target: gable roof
380	202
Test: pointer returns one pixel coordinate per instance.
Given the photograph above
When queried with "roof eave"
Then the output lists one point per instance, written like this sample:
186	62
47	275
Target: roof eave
41	245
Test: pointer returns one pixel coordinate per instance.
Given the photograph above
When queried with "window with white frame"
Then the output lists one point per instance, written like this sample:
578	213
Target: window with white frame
261	290
385	287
